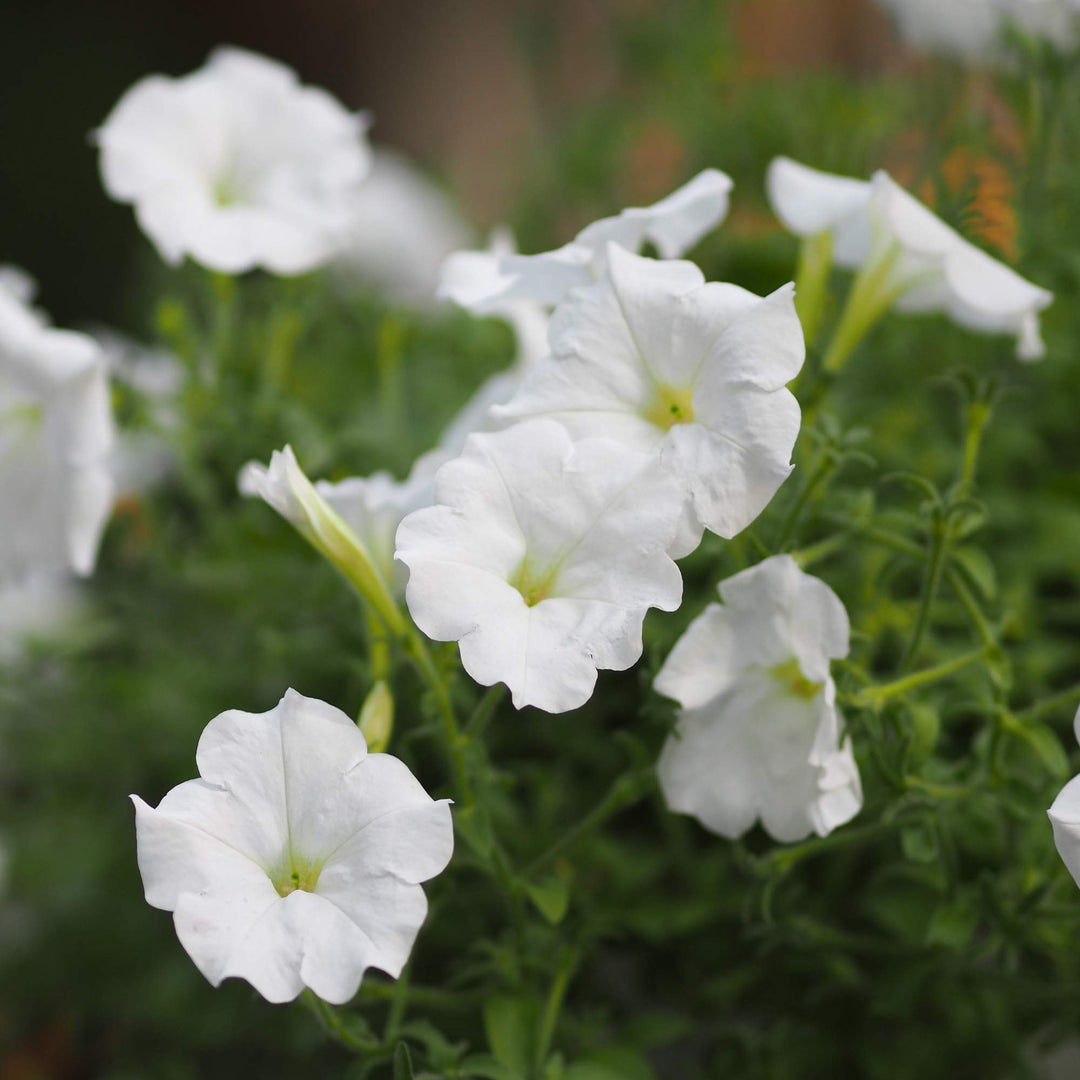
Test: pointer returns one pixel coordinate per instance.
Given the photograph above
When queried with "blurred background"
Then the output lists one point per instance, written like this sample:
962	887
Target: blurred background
481	92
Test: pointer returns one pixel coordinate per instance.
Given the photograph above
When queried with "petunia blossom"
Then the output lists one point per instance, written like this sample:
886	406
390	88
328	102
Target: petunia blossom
673	225
56	436
758	733
974	30
906	257
1065	819
295	859
541	558
694	374
236	165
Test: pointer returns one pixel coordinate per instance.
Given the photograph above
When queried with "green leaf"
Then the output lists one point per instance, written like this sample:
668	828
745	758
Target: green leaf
403	1069
485	1067
474	826
441	1051
551	897
919	843
953	924
510	1024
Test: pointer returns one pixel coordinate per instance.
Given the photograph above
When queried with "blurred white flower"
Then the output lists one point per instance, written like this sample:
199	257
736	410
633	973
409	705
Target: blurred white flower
906	256
295	859
142	455
56	435
1065	818
692	373
973	30
236	165
36	608
758	733
404	225
674	225
541	558
350	523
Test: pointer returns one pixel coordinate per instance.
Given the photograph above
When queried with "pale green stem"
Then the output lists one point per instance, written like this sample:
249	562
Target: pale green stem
978	414
819	476
870	296
484	711
816	552
812	281
333	1025
624	792
876	696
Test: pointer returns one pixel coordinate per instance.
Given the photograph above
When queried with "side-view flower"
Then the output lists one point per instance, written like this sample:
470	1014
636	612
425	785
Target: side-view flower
236	165
905	256
295	860
694	374
674	225
1065	818
56	437
758	732
541	558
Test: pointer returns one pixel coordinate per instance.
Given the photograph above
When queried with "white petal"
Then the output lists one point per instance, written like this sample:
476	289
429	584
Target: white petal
809	202
1065	818
703	662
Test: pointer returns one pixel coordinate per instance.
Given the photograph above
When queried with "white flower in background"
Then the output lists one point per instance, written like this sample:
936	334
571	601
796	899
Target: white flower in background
758	734
541	558
56	435
142	455
694	374
674	225
404	225
973	30
350	523
296	858
906	256
1065	819
36	608
236	165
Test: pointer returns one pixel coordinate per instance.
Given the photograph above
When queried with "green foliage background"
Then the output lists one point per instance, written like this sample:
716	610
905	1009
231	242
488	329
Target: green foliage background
937	935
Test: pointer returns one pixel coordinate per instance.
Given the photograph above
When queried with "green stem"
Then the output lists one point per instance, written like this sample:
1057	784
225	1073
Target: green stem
484	711
821	473
559	985
978	414
971	606
1050	704
870	296
624	792
812	281
785	858
454	741
939	534
822	550
333	1025
875	696
396	1013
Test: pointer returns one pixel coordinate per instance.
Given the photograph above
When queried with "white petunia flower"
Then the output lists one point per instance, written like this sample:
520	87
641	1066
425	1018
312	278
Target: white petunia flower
674	225
56	435
692	373
236	165
758	734
906	256
973	30
295	860
541	558
1065	819
404	226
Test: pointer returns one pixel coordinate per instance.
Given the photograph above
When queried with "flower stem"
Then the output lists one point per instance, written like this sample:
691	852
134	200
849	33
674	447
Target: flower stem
624	792
939	535
484	711
811	282
868	299
875	696
336	1028
559	985
978	414
821	473
1050	704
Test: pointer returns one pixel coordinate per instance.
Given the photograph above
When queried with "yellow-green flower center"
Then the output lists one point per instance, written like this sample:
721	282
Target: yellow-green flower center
672	405
295	873
795	682
533	588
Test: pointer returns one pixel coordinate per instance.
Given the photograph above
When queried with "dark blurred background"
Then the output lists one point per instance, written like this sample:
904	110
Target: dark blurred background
471	89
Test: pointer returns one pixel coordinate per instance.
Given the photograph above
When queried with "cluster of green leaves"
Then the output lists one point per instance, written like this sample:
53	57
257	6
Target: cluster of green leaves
582	932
